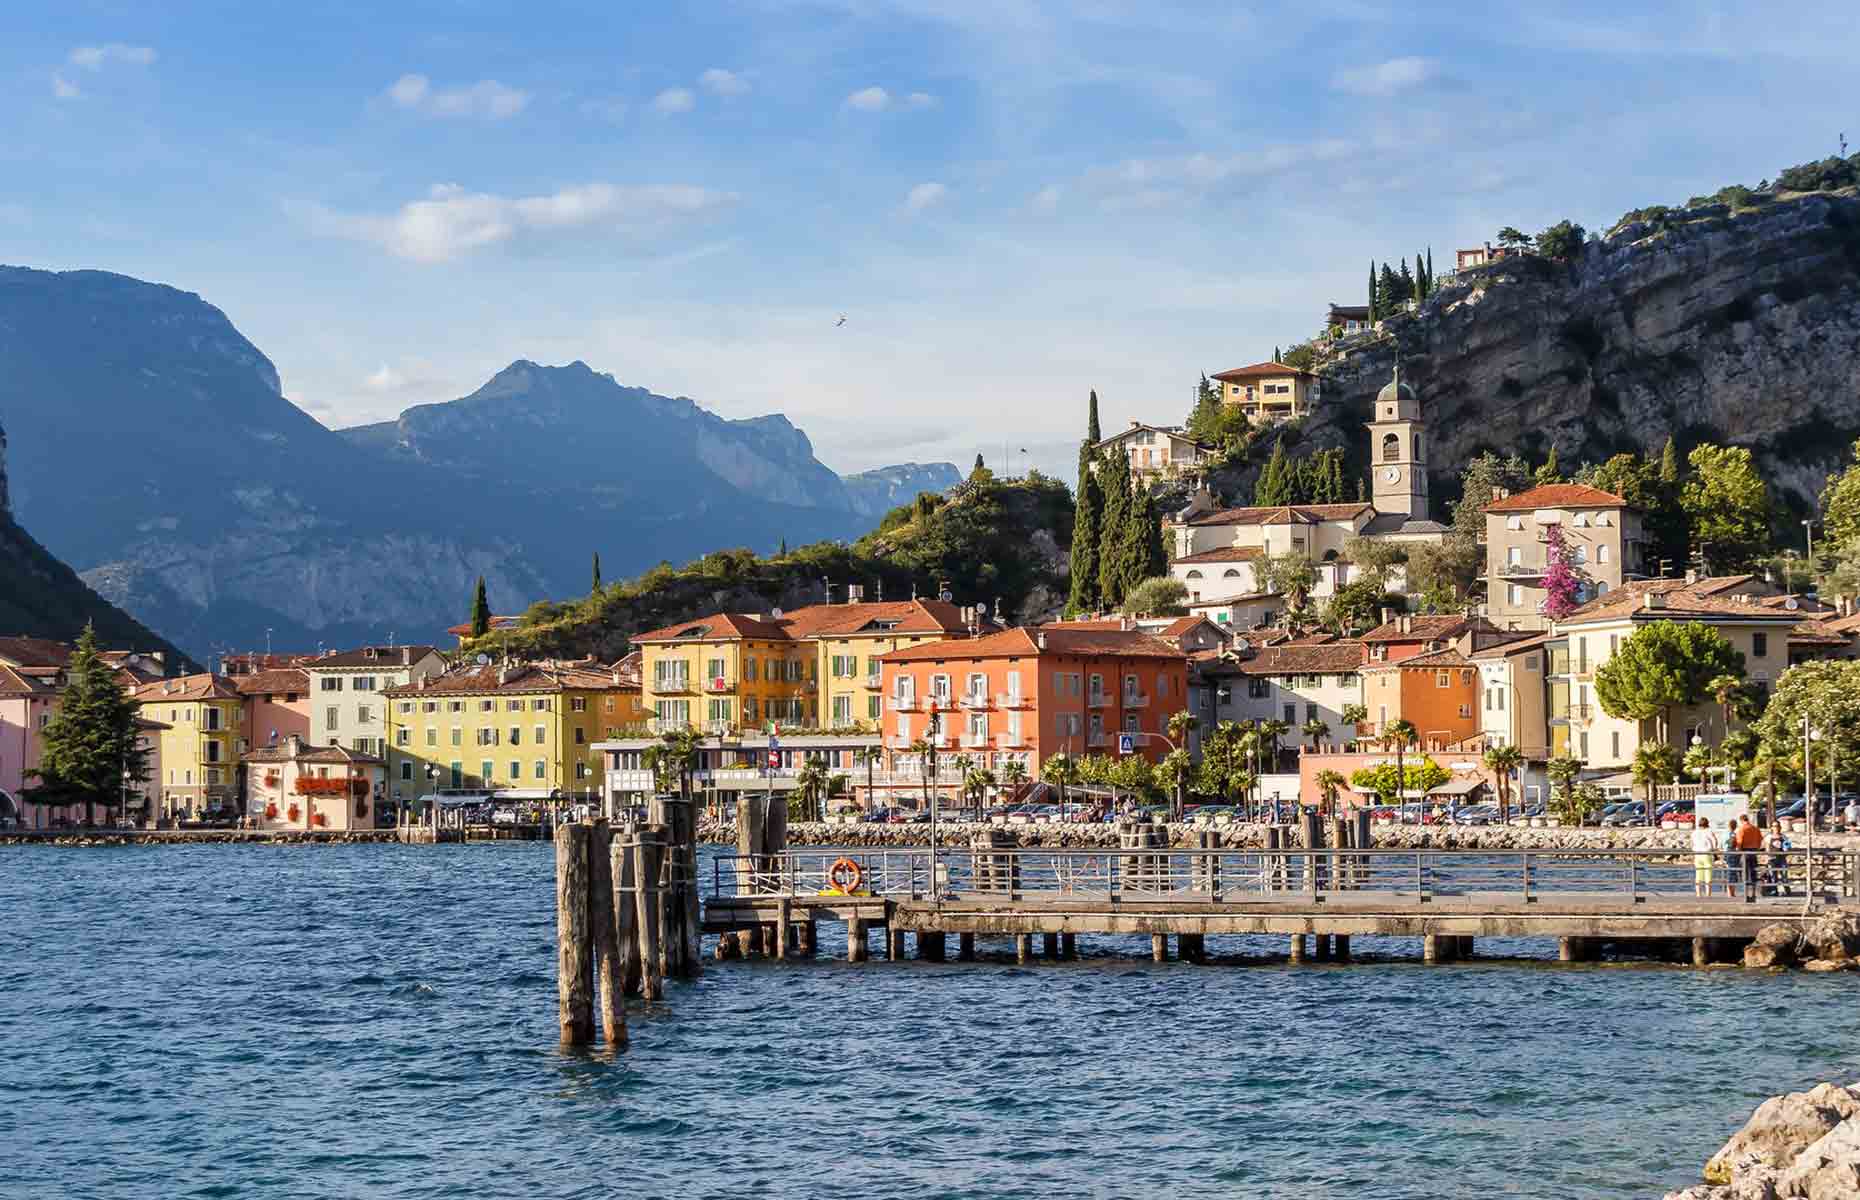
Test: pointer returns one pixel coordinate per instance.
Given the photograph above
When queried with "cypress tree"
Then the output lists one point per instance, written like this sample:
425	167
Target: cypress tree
1087	511
1362	493
1421	282
88	747
1548	472
1430	269
480	611
1155	557
1092	436
597	571
1275	355
1277	481
1669	462
1114	550
978	462
1372	291
1407	281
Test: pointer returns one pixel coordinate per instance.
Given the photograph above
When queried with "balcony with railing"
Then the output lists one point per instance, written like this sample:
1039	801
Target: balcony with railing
1098	741
718	684
1098	700
1013	739
1012	700
900	741
975	740
672	685
1135	699
976	700
1516	571
906	704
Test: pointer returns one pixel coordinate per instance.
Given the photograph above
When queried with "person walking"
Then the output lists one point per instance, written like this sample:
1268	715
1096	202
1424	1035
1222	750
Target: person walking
1749	841
1703	843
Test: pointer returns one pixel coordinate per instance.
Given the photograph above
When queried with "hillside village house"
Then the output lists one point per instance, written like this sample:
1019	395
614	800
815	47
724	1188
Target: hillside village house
1218	552
1022	695
292	785
817	666
1239	612
1292	683
1157	451
524	731
1602	540
462	631
1268	391
346	687
1348	319
201	747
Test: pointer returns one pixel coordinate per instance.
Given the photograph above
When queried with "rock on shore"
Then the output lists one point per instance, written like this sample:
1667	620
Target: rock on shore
1804	1144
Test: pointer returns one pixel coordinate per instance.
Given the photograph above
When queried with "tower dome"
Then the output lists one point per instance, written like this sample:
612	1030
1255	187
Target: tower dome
1395	391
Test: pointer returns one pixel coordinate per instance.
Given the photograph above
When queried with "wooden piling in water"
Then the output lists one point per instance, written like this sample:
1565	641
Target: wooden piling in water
1159	947
1701	952
1298	947
1069	946
609	972
855	940
1343	947
965	947
623	865
1049	946
894	944
649	911
1023	947
1320	947
784	931
574	979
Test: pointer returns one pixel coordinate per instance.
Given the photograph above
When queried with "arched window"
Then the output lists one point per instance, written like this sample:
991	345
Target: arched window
1194	574
1601	586
1417	447
1391	448
1230	573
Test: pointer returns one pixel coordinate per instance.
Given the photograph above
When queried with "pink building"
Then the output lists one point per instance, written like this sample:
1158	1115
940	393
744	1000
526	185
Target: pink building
277	705
27	702
295	786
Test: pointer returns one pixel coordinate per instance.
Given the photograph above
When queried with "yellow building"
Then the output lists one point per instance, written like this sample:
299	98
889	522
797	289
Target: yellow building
525	729
201	747
1267	391
812	668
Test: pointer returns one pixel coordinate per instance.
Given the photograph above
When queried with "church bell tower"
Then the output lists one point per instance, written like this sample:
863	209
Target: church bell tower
1398	451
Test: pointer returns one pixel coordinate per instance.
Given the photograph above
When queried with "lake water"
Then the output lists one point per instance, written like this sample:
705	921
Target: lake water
284	1021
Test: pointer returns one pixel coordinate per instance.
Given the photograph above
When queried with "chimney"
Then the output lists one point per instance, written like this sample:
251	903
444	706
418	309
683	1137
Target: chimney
1039	640
1407	623
296	745
855	593
1388	615
406	656
1652	600
1692	576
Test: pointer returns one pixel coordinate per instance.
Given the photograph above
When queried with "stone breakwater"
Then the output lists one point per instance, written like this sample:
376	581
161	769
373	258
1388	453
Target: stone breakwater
191	837
1238	837
1804	1144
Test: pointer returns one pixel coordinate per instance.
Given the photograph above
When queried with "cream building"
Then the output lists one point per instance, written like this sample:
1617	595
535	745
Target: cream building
346	705
1268	391
1157	451
1601	535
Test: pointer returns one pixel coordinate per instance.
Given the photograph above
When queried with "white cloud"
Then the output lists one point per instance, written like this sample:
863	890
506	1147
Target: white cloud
674	100
1384	79
872	99
919	100
486	98
723	83
93	58
925	196
63	88
451	221
1046	200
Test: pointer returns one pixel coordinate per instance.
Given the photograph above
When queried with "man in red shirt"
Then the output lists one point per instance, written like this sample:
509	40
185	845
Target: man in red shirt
1748	839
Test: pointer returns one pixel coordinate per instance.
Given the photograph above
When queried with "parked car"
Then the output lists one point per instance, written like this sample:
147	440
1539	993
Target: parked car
1478	814
1634	812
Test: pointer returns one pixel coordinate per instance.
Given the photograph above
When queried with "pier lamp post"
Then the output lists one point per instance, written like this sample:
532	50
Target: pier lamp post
932	732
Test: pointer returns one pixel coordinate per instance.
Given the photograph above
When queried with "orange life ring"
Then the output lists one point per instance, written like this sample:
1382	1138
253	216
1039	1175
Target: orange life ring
845	875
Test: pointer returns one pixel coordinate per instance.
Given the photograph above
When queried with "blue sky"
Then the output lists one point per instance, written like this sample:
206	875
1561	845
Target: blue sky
1011	202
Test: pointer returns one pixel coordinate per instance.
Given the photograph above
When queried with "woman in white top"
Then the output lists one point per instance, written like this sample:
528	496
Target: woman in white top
1703	843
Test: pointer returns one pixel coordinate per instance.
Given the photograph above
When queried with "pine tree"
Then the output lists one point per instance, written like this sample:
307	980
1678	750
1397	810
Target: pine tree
1362	493
1407	281
1114	552
1277	482
88	748
1275	355
1092	436
1087	511
597	571
1548	472
1669	462
1389	283
480	611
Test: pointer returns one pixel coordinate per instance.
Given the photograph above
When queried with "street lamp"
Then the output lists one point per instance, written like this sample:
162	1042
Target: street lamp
932	732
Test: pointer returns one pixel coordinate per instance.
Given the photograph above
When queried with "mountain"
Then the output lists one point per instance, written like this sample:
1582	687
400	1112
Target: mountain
42	597
875	493
217	511
1002	544
1733	322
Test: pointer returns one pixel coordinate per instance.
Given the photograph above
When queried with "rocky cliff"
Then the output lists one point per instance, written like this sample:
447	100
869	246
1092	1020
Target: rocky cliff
1707	323
874	493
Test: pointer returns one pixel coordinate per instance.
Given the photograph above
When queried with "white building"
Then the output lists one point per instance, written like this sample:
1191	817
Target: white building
1294	683
346	705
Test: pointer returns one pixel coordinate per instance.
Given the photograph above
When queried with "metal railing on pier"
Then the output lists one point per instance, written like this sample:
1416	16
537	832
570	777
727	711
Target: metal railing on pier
1196	876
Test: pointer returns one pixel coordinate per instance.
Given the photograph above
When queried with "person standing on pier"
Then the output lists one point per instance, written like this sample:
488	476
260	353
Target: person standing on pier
1749	841
1703	843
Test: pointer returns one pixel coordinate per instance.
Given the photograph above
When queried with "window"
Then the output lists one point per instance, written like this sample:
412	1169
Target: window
1585	743
749	670
1489	694
487	706
213	750
458	772
539	733
213	716
1614	745
1193	574
720	708
431	706
1501	699
1311	712
610	704
364	683
871	707
1291	714
329	683
581	735
457	706
1580	554
1760	645
364	714
904	726
1443	679
331	718
406	706
581	770
749	709
842	710
575	704
1601	553
1258	687
1582	520
939	687
1514	595
516	770
713	668
403	736
1514	556
1391	448
432	736
541	769
458	736
513	706
516	735
406	769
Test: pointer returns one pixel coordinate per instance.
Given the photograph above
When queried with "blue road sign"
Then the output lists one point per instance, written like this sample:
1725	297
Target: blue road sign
1126	744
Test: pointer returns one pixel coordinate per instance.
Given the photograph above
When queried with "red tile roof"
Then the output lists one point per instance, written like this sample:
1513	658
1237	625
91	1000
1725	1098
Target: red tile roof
281	752
1420	629
1337	658
277	682
1700	599
16	683
819	621
464	630
525	678
371	656
1439	658
1262	370
33	652
1221	554
1515	646
1060	639
185	689
1181	626
1558	495
1282	514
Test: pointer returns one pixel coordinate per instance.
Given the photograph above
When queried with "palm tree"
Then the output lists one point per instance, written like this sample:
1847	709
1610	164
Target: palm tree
1273	731
1354	715
1317	730
975	784
921	748
1401	733
675	757
1013	773
1060	770
812	782
1182	724
869	757
1330	782
1502	761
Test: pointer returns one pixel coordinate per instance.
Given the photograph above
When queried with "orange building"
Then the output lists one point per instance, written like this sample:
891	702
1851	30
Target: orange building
1024	695
1437	693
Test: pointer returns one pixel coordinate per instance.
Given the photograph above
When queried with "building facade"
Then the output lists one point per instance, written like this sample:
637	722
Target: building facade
202	746
346	688
1602	542
293	785
1268	391
1290	683
1437	693
1157	452
277	705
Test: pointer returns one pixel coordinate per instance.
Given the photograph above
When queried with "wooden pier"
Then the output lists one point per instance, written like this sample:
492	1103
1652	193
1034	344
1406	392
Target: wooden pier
1322	901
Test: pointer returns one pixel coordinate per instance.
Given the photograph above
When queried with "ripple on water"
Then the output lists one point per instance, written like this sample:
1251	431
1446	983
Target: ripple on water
381	1020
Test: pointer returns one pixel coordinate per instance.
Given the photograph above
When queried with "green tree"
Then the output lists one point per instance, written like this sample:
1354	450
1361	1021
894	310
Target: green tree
1290	574
1329	783
1159	596
1317	729
1503	762
1561	241
1663	665
1840	503
1393	782
1827	693
1548	473
811	783
1092	434
1375	311
1728	505
1655	763
1153	561
1400	733
1061	771
1406	277
1354	607
88	753
1513	239
1566	802
480	611
1114	554
1087	536
597	573
1275	485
